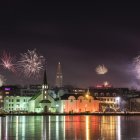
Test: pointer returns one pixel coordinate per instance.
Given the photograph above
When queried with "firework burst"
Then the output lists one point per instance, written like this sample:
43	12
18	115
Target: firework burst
31	63
2	80
101	69
7	61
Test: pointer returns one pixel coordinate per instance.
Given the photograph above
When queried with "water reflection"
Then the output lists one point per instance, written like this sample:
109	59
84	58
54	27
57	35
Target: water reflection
69	127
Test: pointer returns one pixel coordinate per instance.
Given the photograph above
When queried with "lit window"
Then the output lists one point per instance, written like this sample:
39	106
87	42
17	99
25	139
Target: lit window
45	91
6	92
45	97
0	97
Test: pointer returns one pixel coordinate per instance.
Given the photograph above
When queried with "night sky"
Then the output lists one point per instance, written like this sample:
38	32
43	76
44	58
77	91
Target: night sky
80	37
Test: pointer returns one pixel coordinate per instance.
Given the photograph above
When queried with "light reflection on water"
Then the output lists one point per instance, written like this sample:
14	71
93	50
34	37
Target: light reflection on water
69	128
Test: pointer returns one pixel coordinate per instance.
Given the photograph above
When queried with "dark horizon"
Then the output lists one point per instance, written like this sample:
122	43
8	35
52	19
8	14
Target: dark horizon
80	37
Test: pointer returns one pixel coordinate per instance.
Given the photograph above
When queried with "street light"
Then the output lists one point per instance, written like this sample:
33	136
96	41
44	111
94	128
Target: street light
87	95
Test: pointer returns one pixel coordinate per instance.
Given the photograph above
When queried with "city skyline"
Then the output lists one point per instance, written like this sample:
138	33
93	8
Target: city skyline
81	38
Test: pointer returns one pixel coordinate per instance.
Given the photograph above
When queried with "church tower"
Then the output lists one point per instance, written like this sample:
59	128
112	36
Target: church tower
45	86
59	76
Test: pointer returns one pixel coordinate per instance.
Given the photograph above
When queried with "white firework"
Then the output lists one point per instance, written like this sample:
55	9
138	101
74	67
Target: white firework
2	80
101	69
31	63
136	63
8	61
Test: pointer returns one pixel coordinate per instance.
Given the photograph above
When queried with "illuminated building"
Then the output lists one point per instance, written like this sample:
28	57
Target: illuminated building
16	103
8	91
76	103
42	102
59	76
10	94
111	99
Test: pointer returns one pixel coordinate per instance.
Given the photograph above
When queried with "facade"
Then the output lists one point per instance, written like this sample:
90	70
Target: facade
111	99
8	90
77	103
16	103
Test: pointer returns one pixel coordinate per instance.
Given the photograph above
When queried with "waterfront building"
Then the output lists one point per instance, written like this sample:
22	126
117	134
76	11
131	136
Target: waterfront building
77	103
16	103
111	99
43	101
8	90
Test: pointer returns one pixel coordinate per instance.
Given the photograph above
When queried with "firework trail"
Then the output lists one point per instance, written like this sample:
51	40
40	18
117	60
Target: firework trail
2	80
7	61
101	69
31	63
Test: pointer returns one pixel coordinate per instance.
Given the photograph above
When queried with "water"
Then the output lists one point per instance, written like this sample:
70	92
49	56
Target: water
70	128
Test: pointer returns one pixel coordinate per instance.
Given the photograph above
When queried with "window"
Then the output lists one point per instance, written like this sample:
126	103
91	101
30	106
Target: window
96	94
102	94
18	100
71	100
0	97
80	100
114	94
12	100
107	94
90	100
9	100
24	100
6	92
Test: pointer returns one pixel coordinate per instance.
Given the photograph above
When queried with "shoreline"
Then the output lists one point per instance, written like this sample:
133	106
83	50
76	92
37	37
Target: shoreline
73	114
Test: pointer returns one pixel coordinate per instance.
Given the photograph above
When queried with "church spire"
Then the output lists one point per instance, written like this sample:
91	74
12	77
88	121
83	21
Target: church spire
45	78
45	85
59	76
